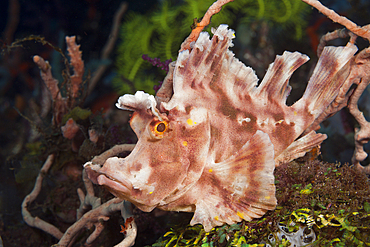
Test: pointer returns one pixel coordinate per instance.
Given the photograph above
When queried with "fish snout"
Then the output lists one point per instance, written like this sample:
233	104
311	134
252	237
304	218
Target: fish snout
92	171
110	175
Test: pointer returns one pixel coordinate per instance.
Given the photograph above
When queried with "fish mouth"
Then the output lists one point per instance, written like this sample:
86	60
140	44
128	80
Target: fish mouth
98	175
119	186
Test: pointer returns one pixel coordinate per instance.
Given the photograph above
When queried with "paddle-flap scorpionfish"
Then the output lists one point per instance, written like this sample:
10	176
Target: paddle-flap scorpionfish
212	148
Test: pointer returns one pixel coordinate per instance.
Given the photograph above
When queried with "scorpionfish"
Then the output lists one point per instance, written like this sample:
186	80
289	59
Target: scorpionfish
212	147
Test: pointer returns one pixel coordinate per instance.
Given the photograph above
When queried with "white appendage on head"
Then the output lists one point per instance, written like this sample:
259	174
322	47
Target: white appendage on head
140	100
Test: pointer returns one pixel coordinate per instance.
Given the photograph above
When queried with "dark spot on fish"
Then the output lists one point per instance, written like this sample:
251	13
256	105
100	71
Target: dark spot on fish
161	127
136	166
278	116
196	57
227	109
246	98
209	57
136	193
215	68
188	109
285	133
225	106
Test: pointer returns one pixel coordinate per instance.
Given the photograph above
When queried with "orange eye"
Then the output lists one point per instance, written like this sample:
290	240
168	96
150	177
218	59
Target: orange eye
161	127
158	128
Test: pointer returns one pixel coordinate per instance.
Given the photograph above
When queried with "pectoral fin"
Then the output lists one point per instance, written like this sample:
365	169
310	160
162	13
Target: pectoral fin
300	147
241	187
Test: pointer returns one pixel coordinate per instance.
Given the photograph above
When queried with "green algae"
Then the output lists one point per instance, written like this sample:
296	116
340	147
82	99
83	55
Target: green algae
330	199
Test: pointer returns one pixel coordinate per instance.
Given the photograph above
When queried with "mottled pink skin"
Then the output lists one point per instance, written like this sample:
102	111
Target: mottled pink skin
216	155
167	175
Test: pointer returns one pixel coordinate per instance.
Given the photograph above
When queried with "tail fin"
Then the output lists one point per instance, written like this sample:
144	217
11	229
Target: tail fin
327	78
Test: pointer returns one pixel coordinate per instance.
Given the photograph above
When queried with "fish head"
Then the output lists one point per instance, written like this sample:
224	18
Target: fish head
167	160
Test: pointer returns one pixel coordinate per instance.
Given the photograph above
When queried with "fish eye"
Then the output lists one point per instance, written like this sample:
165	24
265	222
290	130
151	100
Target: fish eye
157	129
161	127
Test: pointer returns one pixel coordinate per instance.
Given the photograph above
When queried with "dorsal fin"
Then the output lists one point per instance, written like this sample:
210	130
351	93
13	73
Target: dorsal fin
327	78
241	187
275	83
210	68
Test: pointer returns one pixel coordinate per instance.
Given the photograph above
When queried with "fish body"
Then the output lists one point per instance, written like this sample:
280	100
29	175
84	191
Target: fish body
212	148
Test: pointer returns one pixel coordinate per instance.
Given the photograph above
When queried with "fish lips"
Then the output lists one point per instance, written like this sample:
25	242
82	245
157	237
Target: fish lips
98	175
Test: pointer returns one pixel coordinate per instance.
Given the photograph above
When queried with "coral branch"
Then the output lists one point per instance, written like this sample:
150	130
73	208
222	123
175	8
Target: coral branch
12	22
59	103
362	134
360	31
357	70
341	33
131	232
99	227
78	66
108	48
70	129
47	77
114	151
90	199
89	219
165	92
358	66
35	221
213	9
